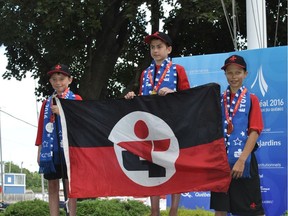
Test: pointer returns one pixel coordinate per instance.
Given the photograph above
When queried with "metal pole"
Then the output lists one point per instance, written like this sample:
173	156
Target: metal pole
42	175
234	25
1	163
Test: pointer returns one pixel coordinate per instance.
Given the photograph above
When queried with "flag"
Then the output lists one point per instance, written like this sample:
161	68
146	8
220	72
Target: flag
149	145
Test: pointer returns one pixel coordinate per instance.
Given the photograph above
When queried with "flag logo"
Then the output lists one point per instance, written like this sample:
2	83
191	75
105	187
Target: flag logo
148	166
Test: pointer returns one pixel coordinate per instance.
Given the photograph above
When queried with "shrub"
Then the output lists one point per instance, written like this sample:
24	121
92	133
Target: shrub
96	207
114	207
189	212
29	208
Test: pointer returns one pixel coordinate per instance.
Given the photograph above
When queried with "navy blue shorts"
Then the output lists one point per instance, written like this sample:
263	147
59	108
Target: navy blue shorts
243	197
58	173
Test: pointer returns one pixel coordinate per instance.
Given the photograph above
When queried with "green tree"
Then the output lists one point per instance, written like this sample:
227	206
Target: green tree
10	167
102	41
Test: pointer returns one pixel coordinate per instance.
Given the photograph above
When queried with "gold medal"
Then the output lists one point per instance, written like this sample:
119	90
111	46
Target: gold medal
153	92
229	127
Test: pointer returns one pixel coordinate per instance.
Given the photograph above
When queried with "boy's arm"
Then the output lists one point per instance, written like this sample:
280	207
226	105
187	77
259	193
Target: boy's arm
40	131
183	82
238	168
141	82
40	126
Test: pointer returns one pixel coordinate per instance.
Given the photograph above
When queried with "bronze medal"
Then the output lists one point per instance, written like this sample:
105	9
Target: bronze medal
229	127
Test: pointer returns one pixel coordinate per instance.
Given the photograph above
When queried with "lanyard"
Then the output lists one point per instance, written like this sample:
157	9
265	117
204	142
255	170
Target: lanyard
236	100
155	88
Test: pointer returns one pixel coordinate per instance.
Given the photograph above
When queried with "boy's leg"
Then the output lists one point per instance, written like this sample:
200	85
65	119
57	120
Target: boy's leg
155	210
220	203
72	204
175	198
53	191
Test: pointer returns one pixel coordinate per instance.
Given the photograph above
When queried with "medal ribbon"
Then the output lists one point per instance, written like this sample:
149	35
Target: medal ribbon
226	98
161	79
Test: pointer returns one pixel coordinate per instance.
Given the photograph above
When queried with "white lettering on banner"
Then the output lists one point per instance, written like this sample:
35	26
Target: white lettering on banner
272	105
270	165
266	130
269	143
196	194
202	194
264	190
267	201
264	103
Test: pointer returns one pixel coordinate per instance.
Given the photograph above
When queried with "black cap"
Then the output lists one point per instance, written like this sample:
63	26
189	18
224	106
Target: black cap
60	68
235	59
159	35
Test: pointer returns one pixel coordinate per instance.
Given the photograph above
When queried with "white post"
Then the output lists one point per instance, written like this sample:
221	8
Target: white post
234	25
1	164
256	24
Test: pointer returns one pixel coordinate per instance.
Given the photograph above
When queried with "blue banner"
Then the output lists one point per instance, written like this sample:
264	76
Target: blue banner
267	78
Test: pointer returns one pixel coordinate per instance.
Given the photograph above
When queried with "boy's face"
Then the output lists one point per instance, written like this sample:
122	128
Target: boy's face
235	76
159	50
60	82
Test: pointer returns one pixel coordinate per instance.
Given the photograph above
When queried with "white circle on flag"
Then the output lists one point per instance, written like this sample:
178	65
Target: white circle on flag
157	131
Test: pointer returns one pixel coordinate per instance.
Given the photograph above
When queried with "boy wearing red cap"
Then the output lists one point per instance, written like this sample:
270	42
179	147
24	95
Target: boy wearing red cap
49	136
161	77
242	125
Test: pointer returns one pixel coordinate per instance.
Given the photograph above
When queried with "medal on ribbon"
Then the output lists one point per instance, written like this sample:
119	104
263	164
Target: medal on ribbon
230	111
230	127
153	92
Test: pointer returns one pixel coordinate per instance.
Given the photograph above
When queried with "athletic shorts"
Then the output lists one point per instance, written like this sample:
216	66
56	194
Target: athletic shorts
243	197
58	173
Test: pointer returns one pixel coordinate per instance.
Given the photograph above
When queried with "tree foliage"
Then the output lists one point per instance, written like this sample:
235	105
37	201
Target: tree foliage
102	41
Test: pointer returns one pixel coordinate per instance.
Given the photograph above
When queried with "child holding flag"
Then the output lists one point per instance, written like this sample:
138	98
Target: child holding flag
49	138
161	77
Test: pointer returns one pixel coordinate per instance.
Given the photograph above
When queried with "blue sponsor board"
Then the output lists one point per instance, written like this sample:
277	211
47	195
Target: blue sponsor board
267	78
